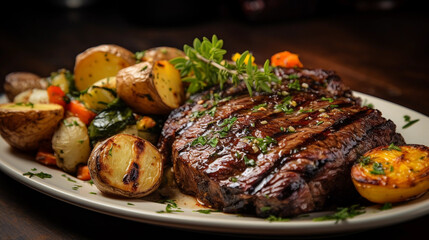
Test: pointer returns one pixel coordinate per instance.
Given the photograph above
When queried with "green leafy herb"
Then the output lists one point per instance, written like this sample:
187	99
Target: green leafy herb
41	175
68	178
285	105
131	204
377	169
263	143
202	140
227	125
273	218
115	118
393	147
408	121
170	207
258	107
327	99
27	104
206	211
294	85
342	214
249	162
139	55
386	206
364	160
204	66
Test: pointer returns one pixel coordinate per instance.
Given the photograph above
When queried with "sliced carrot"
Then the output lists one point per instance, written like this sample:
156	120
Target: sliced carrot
46	158
56	95
285	59
83	173
79	110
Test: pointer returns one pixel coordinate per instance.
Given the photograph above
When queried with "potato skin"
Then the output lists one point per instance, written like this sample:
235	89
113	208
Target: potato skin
135	86
100	62
28	127
125	165
389	175
17	82
162	53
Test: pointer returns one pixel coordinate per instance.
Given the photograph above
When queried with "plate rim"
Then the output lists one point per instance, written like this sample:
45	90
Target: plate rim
200	222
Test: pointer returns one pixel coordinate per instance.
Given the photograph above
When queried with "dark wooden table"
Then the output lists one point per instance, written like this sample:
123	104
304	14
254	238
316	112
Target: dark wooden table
382	53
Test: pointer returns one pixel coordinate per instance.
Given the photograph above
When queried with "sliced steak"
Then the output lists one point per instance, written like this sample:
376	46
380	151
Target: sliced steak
283	154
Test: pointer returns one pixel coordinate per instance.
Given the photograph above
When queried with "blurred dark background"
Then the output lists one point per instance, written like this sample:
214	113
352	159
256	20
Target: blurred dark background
375	45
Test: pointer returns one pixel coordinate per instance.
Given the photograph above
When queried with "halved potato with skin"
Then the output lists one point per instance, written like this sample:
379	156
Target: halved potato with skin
126	165
390	174
151	87
28	126
18	82
100	62
161	53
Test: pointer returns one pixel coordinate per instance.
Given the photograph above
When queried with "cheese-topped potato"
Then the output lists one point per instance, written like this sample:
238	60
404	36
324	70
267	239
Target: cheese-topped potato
392	173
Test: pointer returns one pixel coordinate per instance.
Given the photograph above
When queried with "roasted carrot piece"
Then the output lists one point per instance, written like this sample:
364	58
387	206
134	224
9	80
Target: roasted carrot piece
46	158
83	173
285	59
79	110
56	95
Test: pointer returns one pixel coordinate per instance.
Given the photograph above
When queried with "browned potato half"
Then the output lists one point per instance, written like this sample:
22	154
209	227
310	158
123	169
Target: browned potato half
151	87
100	62
18	82
126	165
161	53
390	174
26	126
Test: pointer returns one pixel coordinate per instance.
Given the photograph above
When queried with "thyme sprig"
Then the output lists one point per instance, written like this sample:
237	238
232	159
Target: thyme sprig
204	66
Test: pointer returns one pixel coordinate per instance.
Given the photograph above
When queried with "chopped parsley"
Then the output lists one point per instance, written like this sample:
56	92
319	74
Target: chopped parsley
365	160
273	218
327	99
342	214
206	211
294	85
393	147
259	107
170	207
41	175
285	105
377	169
249	162
386	206
408	121
262	143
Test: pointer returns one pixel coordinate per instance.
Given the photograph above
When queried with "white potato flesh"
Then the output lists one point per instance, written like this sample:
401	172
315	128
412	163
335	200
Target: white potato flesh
71	144
33	96
126	165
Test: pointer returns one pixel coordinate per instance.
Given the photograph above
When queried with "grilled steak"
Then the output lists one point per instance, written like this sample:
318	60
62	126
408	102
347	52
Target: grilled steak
282	154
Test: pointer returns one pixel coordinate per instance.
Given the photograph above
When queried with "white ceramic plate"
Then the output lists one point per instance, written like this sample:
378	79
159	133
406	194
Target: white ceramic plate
83	194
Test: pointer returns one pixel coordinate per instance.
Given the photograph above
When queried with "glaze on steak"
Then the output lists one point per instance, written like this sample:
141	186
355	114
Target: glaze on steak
284	154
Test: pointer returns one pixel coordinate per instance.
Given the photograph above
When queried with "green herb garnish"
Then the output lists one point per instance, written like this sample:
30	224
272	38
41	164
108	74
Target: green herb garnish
393	147
204	66
409	122
342	214
206	211
273	218
377	169
41	175
263	143
171	207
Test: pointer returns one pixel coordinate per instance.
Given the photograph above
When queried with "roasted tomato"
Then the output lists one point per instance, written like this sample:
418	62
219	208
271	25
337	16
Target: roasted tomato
392	173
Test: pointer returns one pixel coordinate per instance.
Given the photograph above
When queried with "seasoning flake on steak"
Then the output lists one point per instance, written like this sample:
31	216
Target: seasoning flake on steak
285	153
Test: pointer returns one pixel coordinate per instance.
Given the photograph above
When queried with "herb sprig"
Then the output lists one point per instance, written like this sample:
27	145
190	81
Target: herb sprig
204	66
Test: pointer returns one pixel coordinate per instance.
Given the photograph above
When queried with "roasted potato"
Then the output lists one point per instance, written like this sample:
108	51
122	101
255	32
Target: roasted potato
18	82
161	53
100	62
100	94
150	87
27	126
32	96
63	79
70	143
390	174
126	165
